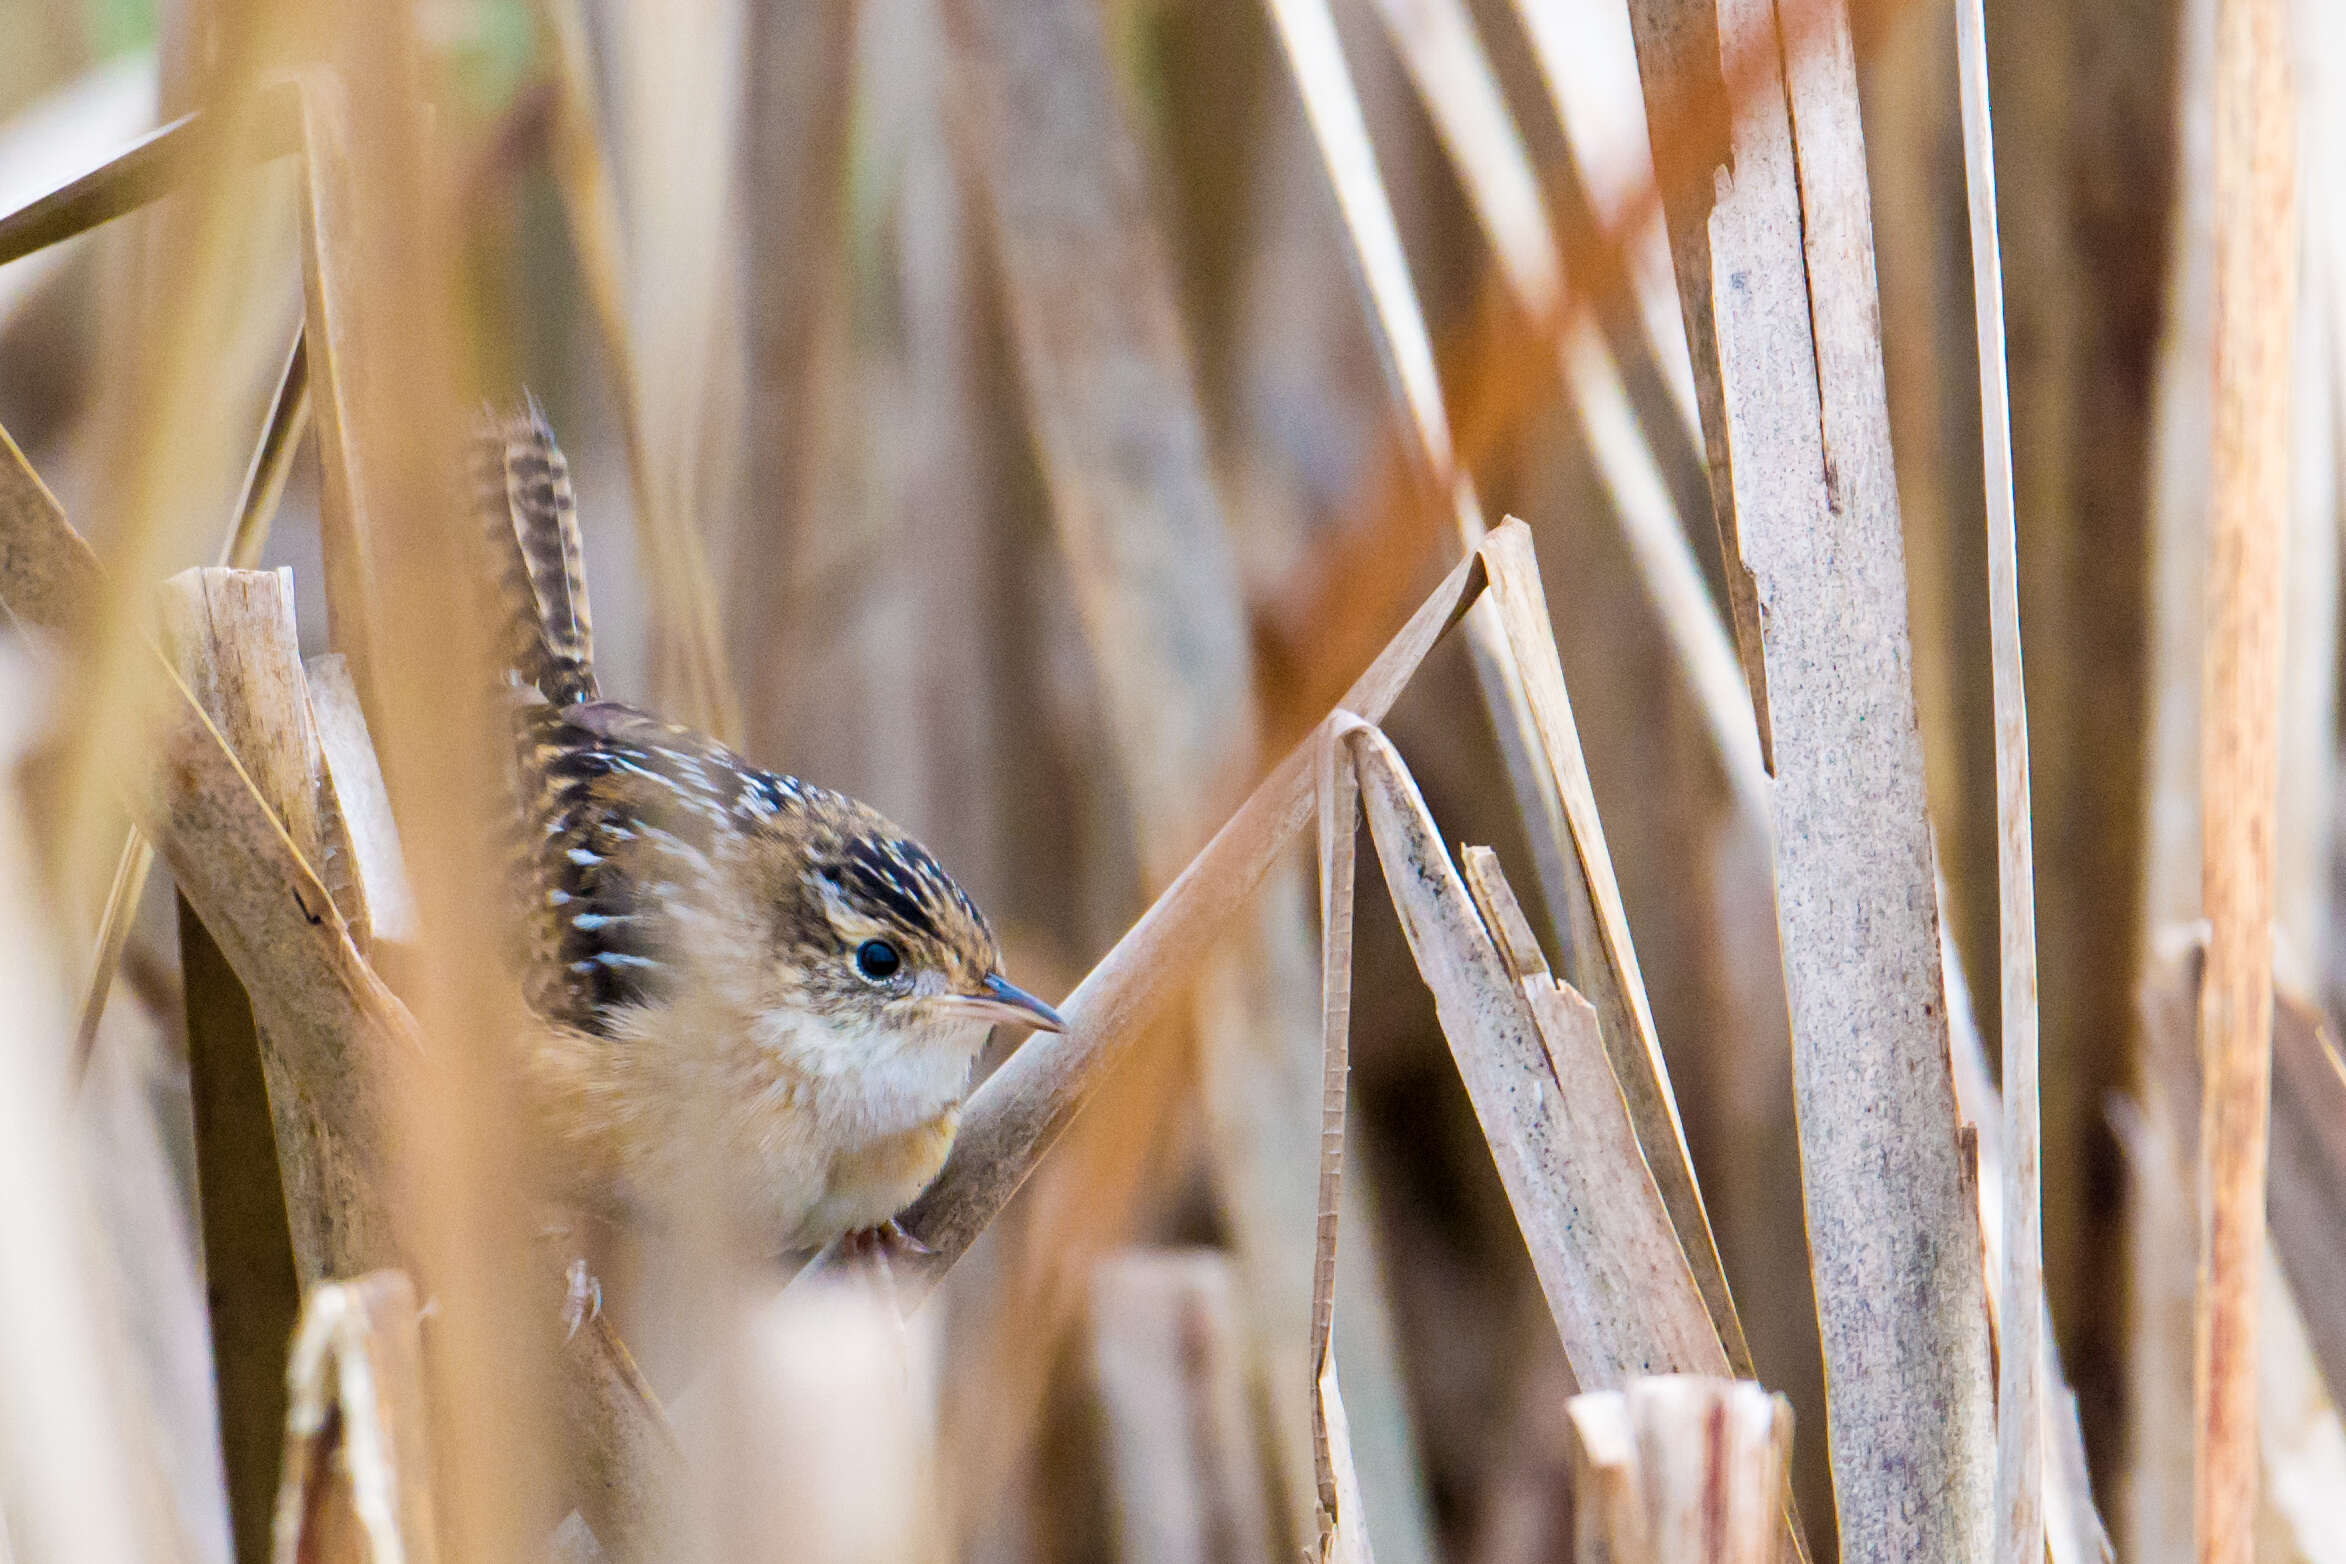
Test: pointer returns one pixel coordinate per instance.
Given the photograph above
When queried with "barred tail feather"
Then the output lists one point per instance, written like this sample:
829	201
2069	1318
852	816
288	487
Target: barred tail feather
523	486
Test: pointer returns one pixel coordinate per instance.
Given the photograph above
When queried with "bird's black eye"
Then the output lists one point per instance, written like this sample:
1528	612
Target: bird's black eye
877	959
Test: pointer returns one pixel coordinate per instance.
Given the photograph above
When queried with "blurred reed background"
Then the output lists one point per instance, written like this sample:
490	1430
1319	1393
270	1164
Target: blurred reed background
1033	416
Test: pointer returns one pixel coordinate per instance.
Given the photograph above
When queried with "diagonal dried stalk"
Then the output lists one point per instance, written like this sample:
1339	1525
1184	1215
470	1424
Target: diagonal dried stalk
358	1476
148	170
2256	292
2020	1389
1776	273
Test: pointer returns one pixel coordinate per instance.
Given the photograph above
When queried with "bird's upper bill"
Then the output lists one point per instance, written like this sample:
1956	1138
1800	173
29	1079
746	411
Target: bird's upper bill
1003	1003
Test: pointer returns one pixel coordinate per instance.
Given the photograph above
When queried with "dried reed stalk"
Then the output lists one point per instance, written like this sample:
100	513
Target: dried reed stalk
1674	1468
2020	1388
358	1472
1775	266
2256	291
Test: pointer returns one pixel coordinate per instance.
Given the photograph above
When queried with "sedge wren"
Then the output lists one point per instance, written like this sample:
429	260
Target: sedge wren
750	986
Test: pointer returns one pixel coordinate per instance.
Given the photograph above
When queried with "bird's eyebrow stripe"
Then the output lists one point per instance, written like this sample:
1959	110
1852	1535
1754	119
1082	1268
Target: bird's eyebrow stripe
879	874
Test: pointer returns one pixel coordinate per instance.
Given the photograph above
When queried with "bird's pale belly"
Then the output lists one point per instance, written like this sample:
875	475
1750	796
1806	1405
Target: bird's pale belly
870	1182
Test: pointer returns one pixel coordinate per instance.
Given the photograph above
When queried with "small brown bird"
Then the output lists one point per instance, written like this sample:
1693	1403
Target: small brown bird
755	990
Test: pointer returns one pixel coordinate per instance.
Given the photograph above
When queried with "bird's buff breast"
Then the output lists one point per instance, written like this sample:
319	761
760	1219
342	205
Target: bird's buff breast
797	1133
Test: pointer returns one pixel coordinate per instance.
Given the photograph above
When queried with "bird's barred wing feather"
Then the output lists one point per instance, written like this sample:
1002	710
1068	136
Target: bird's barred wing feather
634	831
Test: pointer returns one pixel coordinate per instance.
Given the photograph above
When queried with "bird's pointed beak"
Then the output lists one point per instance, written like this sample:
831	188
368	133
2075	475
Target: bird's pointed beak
1003	1003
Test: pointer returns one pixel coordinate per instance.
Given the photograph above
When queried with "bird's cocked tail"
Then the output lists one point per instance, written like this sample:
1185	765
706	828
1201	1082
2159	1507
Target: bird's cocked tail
523	486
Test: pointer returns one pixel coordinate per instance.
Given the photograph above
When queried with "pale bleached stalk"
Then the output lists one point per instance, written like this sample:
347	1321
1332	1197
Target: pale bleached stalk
2020	1398
1771	235
2256	278
357	1449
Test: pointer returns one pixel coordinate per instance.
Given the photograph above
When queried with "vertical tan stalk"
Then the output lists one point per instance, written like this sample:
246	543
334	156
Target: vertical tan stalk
2020	1375
2256	285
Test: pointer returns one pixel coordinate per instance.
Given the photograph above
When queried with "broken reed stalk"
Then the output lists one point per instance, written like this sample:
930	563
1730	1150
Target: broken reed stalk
2255	299
264	486
1676	1467
357	1460
2020	1371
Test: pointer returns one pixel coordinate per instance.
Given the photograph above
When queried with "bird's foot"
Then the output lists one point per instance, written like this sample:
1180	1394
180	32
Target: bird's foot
582	1300
887	1241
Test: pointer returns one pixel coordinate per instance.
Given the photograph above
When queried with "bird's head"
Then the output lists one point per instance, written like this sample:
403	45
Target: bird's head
886	940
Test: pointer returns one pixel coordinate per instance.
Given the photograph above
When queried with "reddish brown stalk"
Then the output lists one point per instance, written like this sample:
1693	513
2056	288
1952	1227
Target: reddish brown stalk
2256	290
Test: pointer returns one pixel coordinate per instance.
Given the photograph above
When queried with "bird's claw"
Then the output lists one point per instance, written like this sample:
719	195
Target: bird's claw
582	1300
886	1241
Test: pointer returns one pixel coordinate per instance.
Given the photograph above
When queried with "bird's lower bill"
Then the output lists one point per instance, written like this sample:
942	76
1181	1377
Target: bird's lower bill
1002	1004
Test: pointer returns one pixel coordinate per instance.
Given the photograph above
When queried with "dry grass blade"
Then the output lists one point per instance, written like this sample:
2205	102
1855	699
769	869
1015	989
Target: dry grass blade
1677	1467
358	1478
669	543
1775	263
2020	1390
147	171
1600	1236
2256	291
